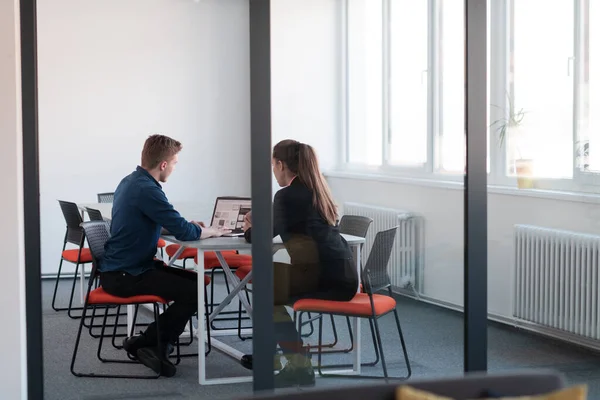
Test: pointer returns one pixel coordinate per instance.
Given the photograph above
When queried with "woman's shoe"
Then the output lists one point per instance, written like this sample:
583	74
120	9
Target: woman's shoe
292	375
246	362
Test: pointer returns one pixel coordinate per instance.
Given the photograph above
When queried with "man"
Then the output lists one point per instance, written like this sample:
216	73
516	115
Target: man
140	210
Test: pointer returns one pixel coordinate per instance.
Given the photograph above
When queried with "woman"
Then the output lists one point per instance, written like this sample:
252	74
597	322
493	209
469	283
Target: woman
305	216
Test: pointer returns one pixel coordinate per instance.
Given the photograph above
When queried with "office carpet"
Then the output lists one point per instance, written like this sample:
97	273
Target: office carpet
434	337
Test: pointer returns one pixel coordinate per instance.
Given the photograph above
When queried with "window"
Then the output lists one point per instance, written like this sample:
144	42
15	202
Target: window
452	86
365	92
405	85
408	82
406	90
588	148
542	83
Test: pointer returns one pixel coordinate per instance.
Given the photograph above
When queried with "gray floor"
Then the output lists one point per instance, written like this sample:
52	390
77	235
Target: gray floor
434	337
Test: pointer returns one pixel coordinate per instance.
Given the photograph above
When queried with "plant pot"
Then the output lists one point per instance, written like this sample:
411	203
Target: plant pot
524	170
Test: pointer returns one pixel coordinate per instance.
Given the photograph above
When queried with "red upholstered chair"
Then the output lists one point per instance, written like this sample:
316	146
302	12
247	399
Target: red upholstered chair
78	256
97	233
367	304
211	262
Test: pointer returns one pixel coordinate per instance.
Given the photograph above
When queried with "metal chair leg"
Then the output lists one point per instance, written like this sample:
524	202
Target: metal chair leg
93	375
380	345
408	368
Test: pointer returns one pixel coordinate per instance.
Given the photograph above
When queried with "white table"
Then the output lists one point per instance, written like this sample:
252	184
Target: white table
218	245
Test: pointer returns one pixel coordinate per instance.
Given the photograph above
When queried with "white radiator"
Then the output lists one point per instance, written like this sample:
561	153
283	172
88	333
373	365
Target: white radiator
406	259
556	280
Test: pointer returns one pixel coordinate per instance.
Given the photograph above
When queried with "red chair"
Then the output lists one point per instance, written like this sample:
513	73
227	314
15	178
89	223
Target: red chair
79	256
367	305
97	233
211	262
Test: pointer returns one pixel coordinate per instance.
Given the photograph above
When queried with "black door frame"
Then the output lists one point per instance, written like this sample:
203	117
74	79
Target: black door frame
475	203
31	200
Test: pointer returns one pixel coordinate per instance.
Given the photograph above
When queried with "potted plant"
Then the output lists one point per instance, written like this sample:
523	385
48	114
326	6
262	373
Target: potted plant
510	126
582	155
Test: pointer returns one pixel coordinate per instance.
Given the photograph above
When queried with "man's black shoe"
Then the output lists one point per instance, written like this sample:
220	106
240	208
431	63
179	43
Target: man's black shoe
295	376
134	343
156	361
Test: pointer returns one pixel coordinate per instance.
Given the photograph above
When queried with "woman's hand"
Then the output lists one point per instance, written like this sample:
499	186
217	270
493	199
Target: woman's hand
247	221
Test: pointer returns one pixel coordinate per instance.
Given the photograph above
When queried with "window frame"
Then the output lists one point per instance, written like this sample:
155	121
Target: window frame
500	53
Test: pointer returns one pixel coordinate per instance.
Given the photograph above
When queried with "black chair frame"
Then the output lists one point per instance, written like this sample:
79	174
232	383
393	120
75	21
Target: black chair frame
375	279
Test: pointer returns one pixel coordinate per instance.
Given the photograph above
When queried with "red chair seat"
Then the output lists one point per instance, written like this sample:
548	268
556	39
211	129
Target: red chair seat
243	271
360	305
99	296
161	243
233	259
188	252
71	255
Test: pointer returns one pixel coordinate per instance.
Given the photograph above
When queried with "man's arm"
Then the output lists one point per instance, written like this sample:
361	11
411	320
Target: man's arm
154	204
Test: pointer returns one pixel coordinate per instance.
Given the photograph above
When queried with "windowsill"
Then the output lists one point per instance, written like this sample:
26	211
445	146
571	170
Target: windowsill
438	181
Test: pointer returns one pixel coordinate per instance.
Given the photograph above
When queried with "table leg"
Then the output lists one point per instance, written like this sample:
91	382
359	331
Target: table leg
178	253
130	310
239	285
236	291
82	271
356	322
201	319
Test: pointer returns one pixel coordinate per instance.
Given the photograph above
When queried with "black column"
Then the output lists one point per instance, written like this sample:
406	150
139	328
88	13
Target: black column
31	194
262	229
475	228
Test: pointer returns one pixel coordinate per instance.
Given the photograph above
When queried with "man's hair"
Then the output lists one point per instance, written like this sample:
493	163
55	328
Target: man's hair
159	148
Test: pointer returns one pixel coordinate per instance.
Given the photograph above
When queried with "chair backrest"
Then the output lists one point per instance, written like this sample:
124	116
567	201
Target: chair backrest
355	225
106	197
97	233
375	274
75	233
95	215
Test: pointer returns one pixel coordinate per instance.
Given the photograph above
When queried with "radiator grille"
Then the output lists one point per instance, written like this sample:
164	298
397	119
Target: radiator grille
556	279
406	259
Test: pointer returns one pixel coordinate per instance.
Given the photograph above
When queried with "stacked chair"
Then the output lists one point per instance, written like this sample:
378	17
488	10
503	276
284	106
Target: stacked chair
79	256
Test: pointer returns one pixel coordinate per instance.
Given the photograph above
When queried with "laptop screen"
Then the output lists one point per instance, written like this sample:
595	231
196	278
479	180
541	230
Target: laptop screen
229	213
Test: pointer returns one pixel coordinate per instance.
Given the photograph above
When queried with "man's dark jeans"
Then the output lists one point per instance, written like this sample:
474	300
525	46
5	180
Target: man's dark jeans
172	284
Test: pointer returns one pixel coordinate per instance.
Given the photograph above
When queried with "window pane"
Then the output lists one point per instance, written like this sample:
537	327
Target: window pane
542	78
408	82
452	90
365	54
591	87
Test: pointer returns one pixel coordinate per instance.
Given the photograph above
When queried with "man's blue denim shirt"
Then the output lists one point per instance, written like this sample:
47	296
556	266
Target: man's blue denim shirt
140	208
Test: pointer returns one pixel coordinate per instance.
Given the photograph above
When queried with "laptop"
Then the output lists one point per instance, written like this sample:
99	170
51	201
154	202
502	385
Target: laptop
229	213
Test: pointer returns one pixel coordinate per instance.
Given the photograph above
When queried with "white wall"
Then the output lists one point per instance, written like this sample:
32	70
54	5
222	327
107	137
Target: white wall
443	212
13	380
113	72
305	74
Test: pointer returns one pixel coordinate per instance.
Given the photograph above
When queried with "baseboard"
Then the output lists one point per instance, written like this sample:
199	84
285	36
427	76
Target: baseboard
62	275
514	323
87	275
